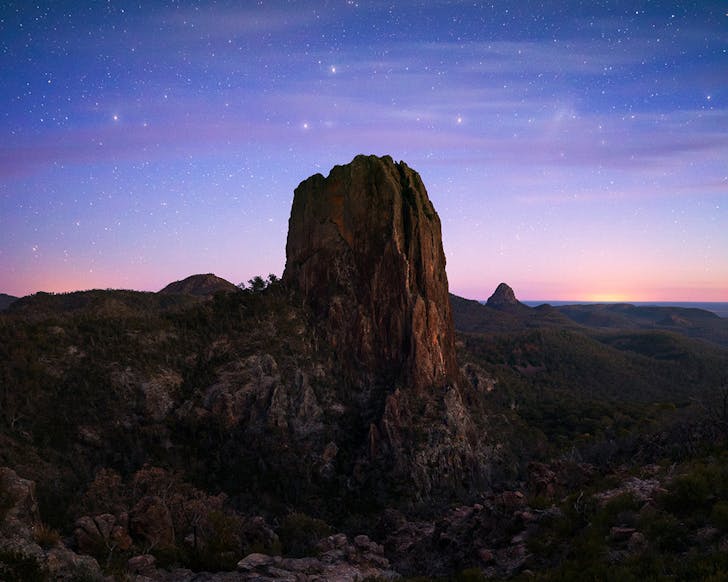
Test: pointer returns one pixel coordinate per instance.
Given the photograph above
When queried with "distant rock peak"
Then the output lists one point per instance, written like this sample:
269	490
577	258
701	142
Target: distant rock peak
504	297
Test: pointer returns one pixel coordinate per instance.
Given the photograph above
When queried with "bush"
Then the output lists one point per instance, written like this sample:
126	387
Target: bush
665	530
46	536
299	534
222	543
18	567
719	515
6	501
688	493
471	575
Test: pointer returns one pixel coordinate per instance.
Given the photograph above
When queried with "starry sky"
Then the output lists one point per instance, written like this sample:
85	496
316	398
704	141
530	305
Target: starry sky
575	150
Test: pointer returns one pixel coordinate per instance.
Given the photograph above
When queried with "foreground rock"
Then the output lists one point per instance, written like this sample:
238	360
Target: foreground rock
339	559
22	557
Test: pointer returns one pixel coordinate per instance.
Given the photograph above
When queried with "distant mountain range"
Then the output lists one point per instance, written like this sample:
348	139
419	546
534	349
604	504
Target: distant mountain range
121	302
719	308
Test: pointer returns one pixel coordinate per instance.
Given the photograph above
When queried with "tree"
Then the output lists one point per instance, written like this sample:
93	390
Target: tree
257	284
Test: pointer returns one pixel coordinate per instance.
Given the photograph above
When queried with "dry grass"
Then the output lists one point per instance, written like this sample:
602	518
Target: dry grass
46	536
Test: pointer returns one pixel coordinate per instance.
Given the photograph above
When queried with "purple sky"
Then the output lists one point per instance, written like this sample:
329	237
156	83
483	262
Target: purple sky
574	150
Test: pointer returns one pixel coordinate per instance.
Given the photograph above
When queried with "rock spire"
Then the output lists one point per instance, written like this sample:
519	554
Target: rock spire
504	298
365	249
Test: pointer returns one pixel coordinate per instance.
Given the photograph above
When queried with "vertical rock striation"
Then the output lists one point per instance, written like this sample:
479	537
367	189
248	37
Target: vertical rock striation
364	247
365	251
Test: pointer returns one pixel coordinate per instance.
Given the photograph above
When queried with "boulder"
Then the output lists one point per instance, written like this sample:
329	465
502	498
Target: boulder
100	534
144	565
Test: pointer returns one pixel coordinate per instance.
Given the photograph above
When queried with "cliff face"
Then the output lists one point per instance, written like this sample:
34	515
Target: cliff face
365	251
364	247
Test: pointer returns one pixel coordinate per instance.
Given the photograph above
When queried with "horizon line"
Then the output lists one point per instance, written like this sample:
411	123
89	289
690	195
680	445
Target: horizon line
604	300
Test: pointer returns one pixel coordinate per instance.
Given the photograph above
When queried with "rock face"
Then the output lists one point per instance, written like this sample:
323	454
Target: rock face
365	252
364	247
504	298
21	555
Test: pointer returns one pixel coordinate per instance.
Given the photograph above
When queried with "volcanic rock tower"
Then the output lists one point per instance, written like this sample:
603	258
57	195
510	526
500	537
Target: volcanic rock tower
364	247
365	251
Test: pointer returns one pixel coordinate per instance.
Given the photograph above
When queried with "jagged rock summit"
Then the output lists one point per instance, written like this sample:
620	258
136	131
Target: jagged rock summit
504	298
365	248
200	286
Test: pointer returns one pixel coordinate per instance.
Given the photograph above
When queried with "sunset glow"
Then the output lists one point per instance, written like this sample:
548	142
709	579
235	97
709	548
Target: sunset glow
142	143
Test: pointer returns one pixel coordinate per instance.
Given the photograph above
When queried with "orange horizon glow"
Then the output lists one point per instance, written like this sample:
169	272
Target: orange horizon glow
546	293
149	278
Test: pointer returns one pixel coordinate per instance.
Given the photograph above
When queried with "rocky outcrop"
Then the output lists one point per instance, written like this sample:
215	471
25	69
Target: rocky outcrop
365	253
25	553
102	533
365	249
490	536
339	559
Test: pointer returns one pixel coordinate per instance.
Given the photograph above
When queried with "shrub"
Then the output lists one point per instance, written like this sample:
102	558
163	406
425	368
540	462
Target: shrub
665	530
688	493
7	501
719	515
46	536
299	534
222	547
16	566
471	575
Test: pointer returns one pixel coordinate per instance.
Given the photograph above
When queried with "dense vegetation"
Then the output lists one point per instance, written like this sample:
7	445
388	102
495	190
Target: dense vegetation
106	403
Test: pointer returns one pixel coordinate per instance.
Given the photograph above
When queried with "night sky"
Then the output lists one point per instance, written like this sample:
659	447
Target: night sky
575	150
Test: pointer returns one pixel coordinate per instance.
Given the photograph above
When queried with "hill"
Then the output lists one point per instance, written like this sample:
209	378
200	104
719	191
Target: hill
110	303
504	312
504	299
200	286
472	316
692	322
6	301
